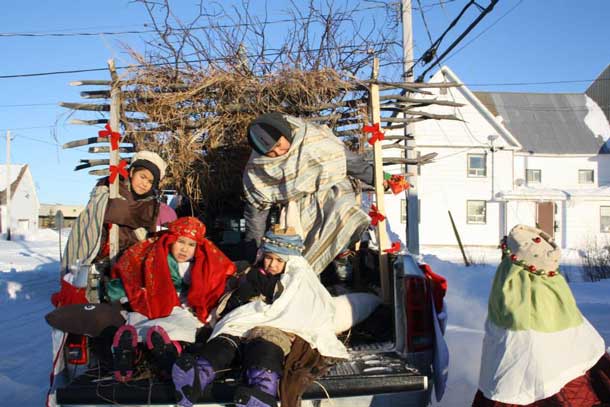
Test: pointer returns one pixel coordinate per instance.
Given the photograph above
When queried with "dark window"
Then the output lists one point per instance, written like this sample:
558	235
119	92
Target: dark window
533	176
476	212
477	165
585	176
604	219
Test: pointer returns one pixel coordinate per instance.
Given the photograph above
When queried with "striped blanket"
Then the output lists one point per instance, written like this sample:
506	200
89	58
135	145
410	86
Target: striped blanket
311	183
86	235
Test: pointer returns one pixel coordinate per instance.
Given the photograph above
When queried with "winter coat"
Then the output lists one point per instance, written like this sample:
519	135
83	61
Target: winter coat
134	217
88	241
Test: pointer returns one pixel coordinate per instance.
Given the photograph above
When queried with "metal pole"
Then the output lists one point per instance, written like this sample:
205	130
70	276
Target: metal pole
8	185
491	139
412	195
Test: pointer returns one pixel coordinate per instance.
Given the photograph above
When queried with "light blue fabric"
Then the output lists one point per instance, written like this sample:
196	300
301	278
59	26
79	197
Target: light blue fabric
441	356
283	245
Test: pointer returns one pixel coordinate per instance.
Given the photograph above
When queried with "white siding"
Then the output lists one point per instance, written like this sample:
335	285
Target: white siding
583	224
520	212
444	185
561	172
24	206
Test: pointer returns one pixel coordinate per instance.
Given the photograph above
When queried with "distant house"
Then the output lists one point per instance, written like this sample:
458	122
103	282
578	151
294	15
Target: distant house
24	200
533	158
47	212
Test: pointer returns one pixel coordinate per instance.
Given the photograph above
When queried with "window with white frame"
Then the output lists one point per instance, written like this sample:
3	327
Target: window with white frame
477	166
585	176
476	212
533	176
604	219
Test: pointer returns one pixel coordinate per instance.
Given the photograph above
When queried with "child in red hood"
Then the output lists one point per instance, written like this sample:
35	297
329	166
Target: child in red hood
170	283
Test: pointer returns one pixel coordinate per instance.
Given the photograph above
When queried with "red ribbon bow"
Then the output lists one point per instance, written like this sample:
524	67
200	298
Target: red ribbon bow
376	131
398	183
394	249
114	136
375	215
118	169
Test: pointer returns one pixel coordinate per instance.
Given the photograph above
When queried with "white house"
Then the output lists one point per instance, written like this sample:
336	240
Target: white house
538	159
24	201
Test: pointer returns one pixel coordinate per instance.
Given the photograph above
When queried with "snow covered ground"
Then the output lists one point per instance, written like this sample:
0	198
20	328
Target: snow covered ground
29	275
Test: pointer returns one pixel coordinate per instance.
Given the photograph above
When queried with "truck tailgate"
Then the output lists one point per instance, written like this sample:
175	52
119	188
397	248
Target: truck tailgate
363	374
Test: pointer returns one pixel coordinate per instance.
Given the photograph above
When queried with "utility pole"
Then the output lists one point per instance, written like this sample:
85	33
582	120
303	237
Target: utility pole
412	195
8	185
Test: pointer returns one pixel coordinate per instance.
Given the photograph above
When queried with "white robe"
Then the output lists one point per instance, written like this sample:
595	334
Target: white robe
305	308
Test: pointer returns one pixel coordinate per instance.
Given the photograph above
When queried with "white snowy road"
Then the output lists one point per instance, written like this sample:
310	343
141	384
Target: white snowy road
28	277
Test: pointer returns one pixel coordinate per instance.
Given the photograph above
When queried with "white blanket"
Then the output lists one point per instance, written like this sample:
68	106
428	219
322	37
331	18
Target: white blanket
180	325
304	308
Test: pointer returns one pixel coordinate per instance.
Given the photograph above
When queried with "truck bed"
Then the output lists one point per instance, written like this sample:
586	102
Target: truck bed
372	369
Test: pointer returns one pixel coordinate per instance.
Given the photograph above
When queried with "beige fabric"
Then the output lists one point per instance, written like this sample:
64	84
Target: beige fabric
141	233
534	247
153	158
273	335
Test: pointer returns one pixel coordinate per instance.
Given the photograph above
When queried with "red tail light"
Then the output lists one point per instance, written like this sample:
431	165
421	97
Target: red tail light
420	331
76	349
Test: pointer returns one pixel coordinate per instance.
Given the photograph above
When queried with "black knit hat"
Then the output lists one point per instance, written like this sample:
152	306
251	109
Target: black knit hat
266	130
138	164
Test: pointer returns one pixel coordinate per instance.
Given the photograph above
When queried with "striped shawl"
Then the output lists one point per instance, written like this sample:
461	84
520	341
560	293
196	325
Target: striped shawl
86	235
312	185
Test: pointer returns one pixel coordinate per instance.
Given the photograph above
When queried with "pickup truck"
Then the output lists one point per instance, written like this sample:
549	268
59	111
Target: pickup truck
390	352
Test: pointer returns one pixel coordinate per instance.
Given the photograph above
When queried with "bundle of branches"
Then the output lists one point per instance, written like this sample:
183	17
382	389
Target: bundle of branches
197	120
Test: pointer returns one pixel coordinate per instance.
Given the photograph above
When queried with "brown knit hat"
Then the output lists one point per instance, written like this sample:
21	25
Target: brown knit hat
533	247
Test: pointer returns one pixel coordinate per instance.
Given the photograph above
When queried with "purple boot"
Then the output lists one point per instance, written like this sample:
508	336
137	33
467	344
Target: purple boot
191	376
261	390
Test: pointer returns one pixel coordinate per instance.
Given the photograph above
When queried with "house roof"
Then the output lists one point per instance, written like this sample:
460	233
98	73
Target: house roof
17	171
546	123
599	91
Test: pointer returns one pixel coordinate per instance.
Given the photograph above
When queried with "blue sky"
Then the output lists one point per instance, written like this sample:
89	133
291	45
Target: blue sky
528	41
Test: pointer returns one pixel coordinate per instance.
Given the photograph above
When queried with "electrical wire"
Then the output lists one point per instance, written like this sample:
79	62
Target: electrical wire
219	59
423	17
148	31
471	26
484	31
29	105
49	143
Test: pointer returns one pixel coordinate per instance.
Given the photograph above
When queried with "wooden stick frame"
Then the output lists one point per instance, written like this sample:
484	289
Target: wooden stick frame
382	234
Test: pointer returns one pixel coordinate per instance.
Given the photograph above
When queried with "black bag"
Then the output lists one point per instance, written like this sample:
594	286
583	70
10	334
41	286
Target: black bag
86	319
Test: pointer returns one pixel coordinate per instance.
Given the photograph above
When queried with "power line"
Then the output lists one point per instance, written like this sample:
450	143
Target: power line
484	31
30	105
279	52
427	7
483	13
27	128
536	83
180	29
423	17
57	145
